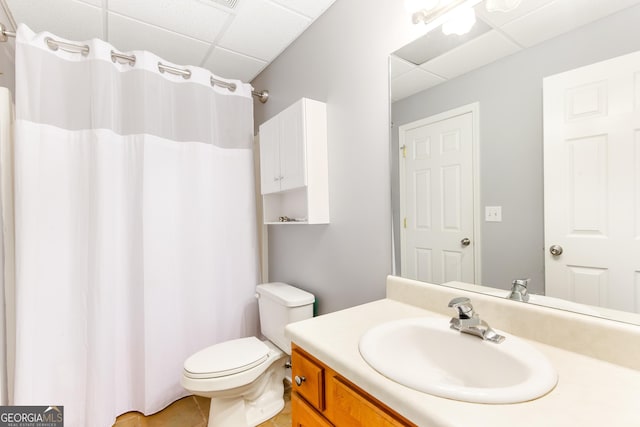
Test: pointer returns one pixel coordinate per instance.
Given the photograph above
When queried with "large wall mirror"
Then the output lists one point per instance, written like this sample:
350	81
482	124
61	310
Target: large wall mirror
484	90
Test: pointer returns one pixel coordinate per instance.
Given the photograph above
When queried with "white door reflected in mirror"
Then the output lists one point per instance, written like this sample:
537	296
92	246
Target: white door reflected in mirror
437	197
592	204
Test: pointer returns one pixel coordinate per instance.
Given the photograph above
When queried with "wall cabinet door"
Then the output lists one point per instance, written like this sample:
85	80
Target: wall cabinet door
270	157
293	142
283	150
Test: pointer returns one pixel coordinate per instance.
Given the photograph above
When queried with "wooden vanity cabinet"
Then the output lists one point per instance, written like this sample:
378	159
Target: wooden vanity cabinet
322	398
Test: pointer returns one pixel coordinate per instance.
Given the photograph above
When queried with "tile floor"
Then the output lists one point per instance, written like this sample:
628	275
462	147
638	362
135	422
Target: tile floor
193	411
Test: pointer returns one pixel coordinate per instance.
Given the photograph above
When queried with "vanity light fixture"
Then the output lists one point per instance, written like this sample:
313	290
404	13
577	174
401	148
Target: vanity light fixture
457	14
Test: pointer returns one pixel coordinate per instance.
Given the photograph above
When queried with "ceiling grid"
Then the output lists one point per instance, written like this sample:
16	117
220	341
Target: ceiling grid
232	38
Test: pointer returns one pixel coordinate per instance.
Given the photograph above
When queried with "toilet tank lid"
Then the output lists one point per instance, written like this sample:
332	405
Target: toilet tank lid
285	294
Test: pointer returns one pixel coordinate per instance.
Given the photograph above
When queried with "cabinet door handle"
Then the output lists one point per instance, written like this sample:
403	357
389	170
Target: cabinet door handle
299	380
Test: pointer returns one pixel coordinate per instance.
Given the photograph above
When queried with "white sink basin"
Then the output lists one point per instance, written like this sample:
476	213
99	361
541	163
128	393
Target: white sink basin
428	356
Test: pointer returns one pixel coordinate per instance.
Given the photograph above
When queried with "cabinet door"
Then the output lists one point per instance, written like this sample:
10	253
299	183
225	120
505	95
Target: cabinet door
270	156
350	408
303	415
308	379
292	147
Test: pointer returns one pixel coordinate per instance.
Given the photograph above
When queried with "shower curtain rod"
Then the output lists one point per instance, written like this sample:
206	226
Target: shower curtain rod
263	95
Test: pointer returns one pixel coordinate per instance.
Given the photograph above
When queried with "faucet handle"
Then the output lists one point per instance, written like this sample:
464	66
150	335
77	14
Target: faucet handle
521	282
464	307
519	291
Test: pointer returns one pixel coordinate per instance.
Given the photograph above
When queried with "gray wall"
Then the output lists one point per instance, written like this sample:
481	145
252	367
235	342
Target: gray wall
342	59
510	95
7	55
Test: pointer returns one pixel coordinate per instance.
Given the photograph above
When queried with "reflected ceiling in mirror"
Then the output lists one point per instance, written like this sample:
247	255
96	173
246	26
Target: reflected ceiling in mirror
436	43
435	58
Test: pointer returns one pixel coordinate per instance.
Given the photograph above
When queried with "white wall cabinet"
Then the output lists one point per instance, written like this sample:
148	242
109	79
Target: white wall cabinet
293	165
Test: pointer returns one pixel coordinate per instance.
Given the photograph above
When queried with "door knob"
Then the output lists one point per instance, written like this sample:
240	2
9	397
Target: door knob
299	380
465	241
556	250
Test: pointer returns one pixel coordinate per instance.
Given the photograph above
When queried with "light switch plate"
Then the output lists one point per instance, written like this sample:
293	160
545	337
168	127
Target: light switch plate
493	213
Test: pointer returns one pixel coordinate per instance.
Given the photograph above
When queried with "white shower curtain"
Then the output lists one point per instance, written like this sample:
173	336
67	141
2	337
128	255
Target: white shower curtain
135	227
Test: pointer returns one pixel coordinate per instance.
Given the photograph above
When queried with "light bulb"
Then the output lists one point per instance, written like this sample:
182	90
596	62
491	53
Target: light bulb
460	22
501	5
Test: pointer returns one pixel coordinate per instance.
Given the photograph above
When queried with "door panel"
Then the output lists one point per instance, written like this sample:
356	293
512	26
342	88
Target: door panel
450	193
588	285
423	264
423	199
588	175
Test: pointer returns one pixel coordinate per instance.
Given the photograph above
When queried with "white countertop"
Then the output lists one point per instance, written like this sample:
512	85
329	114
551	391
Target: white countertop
589	392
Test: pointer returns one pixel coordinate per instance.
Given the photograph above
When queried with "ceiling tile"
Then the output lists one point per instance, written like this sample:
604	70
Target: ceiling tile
231	65
189	17
127	35
310	8
93	2
276	26
560	17
412	82
474	54
398	66
68	19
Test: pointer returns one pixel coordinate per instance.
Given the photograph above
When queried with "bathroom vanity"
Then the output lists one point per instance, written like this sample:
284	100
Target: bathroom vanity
597	361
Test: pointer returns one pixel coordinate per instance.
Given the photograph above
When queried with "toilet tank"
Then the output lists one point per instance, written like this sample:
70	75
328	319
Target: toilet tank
280	304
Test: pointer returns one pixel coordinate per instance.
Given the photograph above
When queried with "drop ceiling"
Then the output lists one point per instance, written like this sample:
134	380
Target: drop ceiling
533	22
232	42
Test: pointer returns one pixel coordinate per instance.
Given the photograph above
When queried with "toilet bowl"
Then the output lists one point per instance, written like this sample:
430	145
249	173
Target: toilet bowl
244	377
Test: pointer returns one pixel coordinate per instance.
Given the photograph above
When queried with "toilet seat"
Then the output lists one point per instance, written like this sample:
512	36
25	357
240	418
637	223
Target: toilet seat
226	358
199	382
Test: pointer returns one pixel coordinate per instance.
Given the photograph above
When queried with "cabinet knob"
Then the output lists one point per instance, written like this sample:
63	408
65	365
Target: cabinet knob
299	380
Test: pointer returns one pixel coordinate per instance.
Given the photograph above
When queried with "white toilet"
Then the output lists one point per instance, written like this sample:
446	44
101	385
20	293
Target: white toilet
243	377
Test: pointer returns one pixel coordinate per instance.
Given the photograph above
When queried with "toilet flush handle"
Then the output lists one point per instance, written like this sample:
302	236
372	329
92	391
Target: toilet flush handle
299	380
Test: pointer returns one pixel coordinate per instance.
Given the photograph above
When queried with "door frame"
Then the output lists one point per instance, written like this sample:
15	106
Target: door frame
474	109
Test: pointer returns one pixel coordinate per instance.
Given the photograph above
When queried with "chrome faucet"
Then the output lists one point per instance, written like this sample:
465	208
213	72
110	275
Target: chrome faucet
469	322
519	290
